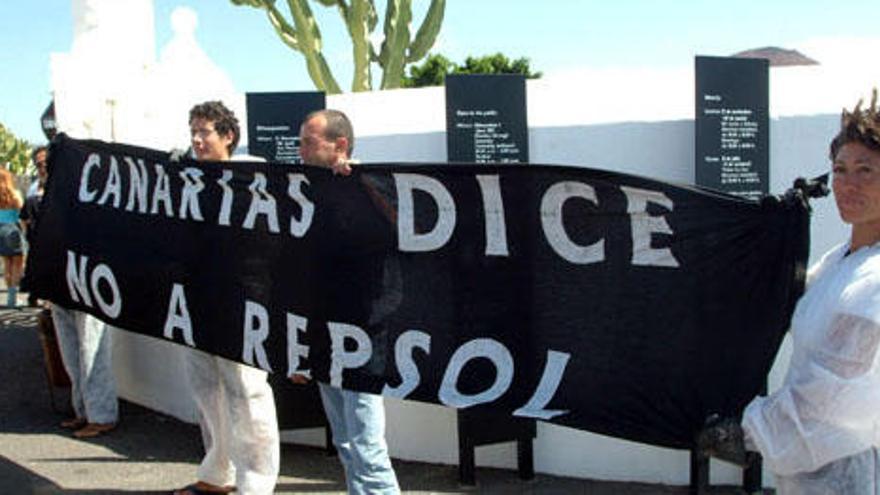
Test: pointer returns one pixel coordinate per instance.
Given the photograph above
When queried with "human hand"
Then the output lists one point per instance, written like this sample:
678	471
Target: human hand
299	379
723	438
177	154
342	166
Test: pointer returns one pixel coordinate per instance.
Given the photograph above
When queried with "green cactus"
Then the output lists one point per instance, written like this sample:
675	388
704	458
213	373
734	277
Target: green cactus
392	58
397	50
427	33
303	36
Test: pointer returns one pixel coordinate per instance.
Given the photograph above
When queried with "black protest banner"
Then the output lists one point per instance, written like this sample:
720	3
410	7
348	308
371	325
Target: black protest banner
601	301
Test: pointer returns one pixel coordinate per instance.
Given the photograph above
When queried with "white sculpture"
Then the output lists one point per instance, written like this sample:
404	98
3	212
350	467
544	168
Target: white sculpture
184	76
112	50
110	86
120	29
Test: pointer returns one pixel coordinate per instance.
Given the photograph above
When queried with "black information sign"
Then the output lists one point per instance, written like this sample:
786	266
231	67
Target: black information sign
274	120
486	119
486	123
732	125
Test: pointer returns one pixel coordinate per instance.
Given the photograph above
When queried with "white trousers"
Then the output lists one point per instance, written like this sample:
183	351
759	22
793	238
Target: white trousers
85	344
854	475
239	426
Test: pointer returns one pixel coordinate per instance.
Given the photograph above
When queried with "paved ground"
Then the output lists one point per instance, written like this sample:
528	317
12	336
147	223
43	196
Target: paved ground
152	453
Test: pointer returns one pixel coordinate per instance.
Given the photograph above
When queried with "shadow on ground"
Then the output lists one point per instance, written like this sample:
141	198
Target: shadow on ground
151	450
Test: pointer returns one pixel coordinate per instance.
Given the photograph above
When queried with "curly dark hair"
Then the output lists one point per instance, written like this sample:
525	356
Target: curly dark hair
38	149
223	119
858	126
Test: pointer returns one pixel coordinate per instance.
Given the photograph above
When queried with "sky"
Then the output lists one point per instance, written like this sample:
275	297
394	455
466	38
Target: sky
560	37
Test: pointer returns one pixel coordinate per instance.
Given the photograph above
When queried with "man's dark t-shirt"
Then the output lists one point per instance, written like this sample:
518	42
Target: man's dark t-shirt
30	215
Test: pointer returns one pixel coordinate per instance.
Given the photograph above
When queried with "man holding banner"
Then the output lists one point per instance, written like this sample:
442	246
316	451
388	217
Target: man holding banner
235	402
356	418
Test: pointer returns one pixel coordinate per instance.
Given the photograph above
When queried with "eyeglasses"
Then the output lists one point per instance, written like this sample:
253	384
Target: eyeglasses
201	132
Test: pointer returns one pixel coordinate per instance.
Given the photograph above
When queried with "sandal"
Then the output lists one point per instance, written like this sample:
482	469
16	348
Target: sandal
73	423
92	430
198	489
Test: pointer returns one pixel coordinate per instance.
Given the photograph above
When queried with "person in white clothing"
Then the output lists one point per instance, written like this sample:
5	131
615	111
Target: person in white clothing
820	431
86	347
235	402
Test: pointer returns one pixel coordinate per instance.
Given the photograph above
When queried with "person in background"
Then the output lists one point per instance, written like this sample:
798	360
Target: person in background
357	419
83	341
85	345
235	402
40	158
819	432
30	211
11	245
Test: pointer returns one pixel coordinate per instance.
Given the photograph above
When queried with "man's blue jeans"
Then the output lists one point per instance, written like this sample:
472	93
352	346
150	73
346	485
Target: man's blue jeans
358	423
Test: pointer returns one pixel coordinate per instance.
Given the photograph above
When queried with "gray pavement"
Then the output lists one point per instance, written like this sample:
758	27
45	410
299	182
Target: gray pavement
152	453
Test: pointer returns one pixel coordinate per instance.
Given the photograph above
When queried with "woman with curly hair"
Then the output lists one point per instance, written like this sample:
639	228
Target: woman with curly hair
820	431
10	235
